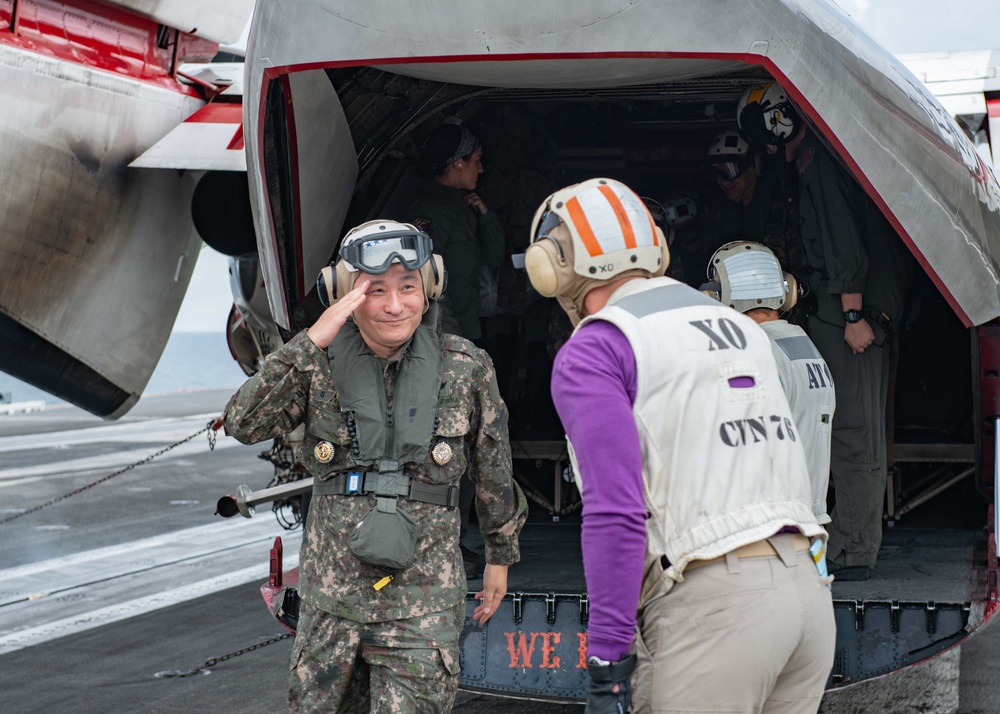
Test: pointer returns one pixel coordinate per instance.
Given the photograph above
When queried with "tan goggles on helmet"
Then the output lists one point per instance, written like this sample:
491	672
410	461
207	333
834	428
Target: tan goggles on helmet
729	170
376	255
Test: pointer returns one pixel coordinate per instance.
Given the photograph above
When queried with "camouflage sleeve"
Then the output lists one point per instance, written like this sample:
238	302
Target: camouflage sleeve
273	401
500	504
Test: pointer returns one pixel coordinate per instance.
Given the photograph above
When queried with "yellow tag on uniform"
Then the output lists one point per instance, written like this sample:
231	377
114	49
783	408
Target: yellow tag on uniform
324	452
441	453
383	582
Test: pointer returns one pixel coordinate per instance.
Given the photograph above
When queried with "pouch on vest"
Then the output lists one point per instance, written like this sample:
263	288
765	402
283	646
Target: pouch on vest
386	537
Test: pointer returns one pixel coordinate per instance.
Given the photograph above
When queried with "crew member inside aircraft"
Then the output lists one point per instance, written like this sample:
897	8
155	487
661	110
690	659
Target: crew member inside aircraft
467	235
697	515
748	278
754	206
395	413
683	218
858	272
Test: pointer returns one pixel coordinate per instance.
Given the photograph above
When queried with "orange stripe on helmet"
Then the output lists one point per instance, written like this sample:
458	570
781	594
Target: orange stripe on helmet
623	220
583	227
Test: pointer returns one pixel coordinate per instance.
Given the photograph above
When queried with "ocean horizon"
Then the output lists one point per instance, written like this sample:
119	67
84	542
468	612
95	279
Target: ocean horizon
190	361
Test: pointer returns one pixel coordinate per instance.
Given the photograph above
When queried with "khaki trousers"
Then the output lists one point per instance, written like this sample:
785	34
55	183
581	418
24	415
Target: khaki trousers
739	635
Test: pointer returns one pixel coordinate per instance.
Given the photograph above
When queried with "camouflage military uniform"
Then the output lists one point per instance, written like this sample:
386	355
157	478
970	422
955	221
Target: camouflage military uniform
408	630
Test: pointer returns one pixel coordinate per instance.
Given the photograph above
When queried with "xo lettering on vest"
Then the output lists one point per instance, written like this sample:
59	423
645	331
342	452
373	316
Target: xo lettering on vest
724	335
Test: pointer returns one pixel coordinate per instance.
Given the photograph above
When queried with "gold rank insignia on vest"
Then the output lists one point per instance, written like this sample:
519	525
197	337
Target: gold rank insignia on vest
324	452
441	453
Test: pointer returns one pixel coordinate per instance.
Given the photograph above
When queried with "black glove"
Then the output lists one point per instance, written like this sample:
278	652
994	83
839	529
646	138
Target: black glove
610	688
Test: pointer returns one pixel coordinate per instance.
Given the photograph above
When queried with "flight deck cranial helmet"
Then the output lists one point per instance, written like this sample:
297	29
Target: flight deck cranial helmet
766	116
729	155
748	276
587	235
372	248
680	208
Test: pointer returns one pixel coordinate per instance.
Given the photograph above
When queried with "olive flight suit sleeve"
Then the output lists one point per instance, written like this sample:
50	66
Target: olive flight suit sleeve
273	402
500	504
492	243
833	196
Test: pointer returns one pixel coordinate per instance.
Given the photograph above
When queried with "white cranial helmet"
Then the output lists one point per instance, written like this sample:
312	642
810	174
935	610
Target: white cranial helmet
727	145
765	114
750	277
588	234
680	208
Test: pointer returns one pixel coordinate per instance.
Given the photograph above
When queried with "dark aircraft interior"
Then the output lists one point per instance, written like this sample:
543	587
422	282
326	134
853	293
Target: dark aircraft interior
654	138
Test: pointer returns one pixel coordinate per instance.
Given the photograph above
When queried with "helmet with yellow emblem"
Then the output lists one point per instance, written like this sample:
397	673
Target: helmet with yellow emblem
766	115
590	234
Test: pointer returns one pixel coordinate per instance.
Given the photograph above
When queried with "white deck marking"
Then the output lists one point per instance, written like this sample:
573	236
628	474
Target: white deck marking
122	611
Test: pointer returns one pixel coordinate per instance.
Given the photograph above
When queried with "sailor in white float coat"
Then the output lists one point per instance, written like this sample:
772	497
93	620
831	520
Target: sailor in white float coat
697	521
748	278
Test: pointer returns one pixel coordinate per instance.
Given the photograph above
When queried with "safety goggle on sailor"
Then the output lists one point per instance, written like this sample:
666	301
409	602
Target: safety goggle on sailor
376	255
729	170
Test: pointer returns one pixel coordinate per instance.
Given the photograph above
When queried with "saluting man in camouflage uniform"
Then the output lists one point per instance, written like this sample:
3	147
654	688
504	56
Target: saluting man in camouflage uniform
395	412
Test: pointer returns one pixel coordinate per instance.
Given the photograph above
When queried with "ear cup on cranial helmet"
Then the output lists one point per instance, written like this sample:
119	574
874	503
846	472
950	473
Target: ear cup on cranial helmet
326	286
434	277
547	267
792	293
665	248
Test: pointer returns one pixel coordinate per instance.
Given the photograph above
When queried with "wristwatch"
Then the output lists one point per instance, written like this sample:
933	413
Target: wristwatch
852	316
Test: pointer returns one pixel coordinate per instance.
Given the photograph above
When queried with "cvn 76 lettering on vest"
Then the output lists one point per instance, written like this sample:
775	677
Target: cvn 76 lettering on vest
742	432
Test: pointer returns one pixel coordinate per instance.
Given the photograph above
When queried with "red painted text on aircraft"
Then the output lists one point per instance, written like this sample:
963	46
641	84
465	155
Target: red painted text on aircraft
522	645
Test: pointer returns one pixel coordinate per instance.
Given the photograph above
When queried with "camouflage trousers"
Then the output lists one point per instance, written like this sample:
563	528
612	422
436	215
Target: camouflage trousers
399	667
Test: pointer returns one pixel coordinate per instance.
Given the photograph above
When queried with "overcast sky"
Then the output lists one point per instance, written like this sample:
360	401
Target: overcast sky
901	26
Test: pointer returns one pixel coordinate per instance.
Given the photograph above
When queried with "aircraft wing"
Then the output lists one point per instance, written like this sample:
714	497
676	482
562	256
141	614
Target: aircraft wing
95	258
211	139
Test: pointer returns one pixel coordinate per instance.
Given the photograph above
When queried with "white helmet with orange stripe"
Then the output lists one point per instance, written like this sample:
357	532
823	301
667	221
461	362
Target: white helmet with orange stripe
589	234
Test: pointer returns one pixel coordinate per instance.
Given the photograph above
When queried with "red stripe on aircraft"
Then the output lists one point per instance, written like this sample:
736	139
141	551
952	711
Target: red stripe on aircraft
993	108
102	37
237	144
218	113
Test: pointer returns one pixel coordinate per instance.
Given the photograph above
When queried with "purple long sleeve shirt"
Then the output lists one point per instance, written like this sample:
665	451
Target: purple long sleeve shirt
593	388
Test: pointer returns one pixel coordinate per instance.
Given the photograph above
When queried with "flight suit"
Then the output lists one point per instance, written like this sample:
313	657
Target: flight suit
402	638
851	248
465	240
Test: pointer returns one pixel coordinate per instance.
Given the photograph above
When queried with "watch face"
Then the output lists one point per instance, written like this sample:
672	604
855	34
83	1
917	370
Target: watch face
852	316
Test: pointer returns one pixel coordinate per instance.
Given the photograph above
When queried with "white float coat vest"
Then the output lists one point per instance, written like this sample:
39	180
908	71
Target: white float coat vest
809	388
722	466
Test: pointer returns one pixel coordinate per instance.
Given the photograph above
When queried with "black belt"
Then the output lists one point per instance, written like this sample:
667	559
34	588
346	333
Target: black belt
366	483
